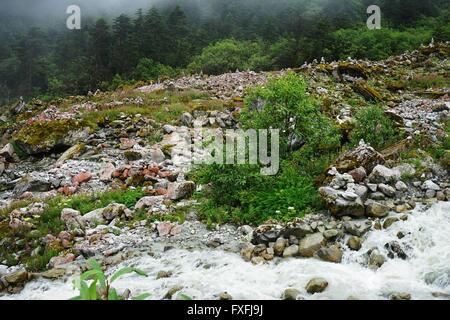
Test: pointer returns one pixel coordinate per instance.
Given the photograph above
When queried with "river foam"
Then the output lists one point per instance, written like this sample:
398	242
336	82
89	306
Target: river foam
204	274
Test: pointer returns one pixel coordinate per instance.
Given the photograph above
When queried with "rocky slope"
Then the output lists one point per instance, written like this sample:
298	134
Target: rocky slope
60	160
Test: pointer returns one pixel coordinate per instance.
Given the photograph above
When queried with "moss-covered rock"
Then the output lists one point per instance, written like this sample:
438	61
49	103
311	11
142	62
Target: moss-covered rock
45	136
353	70
369	93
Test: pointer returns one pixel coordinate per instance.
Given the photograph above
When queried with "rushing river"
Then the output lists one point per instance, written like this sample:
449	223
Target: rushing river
204	274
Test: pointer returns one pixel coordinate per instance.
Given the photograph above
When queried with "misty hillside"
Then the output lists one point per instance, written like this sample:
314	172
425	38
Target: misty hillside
121	44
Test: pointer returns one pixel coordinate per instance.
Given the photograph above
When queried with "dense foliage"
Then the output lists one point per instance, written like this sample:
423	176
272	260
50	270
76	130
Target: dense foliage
240	193
211	36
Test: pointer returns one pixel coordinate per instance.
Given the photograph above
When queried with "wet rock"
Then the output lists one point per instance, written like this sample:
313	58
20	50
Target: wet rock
332	234
376	259
316	285
279	246
225	296
339	206
16	278
172	291
395	250
382	174
163	274
180	190
290	251
265	237
376	209
290	294
429	194
258	260
311	244
247	252
54	273
400	296
72	219
331	254
357	228
354	243
389	222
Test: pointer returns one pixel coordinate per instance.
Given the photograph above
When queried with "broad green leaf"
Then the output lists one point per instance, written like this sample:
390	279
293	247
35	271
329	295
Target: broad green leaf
93	290
112	295
125	271
185	296
100	275
142	296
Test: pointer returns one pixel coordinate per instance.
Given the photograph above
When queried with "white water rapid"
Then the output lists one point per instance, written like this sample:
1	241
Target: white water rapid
204	274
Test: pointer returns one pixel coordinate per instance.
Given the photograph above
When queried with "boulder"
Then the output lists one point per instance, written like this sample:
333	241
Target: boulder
180	190
72	219
389	221
107	172
149	202
186	119
279	246
157	155
338	205
430	185
354	243
358	174
310	244
331	254
386	190
95	217
401	186
316	285
382	174
357	228
376	259
81	178
375	209
290	294
225	296
8	153
362	156
247	252
290	251
400	296
16	278
114	210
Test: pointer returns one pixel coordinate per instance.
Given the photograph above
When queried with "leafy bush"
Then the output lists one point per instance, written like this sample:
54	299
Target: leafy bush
227	56
100	287
374	127
285	104
147	69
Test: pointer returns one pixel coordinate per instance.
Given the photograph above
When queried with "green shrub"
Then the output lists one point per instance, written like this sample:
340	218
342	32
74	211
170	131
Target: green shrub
374	127
285	104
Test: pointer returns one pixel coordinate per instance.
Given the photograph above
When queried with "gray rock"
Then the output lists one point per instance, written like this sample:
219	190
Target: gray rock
94	217
377	196
311	244
291	251
157	155
382	174
149	202
430	185
187	119
387	190
376	259
376	209
72	219
8	152
331	254
430	194
180	190
290	294
401	186
316	285
354	243
332	234
357	228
